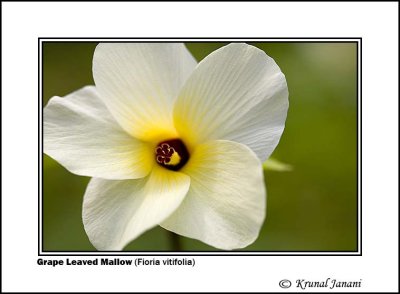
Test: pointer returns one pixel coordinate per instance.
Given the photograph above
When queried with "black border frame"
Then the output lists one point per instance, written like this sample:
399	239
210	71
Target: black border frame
356	40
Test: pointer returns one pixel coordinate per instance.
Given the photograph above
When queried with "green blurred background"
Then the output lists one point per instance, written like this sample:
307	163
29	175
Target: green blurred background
311	208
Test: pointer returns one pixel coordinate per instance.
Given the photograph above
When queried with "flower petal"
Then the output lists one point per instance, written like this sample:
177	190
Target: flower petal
116	212
139	83
225	205
81	134
236	93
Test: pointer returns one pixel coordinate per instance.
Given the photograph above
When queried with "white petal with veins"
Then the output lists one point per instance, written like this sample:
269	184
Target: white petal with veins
225	206
81	134
139	83
116	212
236	93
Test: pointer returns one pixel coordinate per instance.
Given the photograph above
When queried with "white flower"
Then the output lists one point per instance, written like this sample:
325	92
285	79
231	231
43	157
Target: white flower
171	142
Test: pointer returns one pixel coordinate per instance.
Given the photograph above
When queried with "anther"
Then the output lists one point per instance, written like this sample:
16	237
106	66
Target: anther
171	154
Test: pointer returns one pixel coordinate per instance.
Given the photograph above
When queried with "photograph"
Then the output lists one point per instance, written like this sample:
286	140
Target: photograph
200	146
